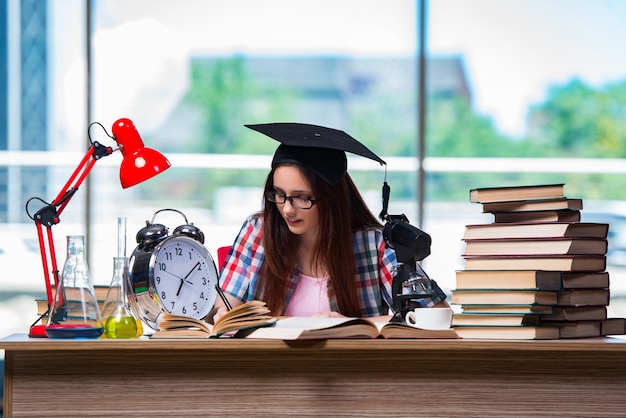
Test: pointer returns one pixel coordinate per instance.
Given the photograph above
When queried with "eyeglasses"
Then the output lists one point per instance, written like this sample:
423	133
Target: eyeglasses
296	202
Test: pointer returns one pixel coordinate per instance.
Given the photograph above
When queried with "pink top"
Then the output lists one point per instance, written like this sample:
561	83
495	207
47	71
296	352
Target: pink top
310	297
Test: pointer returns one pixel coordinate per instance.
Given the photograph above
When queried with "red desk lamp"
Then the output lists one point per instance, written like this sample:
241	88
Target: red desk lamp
139	164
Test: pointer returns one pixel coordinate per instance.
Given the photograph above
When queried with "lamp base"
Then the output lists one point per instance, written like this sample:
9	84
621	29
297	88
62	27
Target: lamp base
37	331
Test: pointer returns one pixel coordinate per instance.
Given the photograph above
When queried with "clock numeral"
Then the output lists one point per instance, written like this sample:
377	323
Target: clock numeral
195	306
164	296
177	252
201	295
173	304
158	279
184	310
162	266
204	281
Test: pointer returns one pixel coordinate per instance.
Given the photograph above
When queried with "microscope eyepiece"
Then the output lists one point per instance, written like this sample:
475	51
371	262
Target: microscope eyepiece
408	241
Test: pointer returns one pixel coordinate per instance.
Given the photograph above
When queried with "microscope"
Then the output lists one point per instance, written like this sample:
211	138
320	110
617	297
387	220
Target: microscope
411	245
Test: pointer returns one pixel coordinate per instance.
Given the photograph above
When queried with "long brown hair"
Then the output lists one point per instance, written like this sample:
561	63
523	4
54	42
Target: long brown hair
342	211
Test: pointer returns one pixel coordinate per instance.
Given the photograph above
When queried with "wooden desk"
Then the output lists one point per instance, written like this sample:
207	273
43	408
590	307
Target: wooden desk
394	378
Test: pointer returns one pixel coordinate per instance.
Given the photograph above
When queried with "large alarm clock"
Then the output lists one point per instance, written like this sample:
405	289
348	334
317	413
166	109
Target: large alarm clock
171	273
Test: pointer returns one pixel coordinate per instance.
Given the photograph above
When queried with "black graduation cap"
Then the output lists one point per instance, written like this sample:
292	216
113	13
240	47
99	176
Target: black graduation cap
321	149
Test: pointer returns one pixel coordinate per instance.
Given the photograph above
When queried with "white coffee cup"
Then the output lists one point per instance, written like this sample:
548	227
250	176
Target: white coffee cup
429	318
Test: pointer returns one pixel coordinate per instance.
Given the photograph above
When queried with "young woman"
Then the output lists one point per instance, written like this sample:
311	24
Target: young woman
315	249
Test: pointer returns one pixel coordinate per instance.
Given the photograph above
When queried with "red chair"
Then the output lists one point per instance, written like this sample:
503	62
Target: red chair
222	253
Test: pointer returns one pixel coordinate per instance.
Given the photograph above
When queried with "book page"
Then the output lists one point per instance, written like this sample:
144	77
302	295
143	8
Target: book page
248	322
405	331
248	315
307	328
254	306
171	322
310	323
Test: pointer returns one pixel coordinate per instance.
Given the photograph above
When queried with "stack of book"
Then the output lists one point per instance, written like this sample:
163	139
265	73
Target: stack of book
536	272
100	293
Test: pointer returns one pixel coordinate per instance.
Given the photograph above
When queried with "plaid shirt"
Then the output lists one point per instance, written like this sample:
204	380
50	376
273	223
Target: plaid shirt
376	265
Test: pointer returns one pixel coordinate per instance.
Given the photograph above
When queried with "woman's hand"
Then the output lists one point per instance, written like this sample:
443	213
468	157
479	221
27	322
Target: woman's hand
220	308
219	313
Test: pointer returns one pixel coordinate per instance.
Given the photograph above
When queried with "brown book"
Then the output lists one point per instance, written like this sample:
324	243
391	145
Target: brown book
564	215
508	309
576	313
578	297
509	333
559	262
532	230
505	194
250	315
581	280
578	329
489	319
613	326
537	246
99	290
42	306
503	297
509	279
534	205
313	328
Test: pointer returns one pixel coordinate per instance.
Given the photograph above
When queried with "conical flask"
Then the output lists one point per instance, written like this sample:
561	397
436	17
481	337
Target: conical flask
75	312
119	322
126	290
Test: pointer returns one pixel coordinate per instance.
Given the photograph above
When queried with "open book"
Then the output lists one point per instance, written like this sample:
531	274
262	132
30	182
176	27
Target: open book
308	328
253	314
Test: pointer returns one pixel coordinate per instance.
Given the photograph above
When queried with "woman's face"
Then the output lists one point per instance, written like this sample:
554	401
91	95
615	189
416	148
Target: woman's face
290	181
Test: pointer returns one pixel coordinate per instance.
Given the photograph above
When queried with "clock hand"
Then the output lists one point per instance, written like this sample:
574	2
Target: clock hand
191	271
180	287
184	279
171	274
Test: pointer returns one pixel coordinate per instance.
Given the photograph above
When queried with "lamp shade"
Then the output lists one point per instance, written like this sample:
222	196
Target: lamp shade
139	162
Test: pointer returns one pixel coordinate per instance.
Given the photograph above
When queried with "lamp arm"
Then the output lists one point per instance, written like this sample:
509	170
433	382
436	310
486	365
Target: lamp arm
93	154
48	215
54	271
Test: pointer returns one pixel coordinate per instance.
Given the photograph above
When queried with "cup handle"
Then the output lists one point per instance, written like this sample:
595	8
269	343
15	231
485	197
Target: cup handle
409	318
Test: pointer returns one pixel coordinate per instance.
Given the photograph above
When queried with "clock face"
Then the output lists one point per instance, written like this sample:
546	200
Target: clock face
183	277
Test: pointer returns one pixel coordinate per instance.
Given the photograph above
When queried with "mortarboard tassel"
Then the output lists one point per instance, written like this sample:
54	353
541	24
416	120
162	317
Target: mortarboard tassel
386	193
